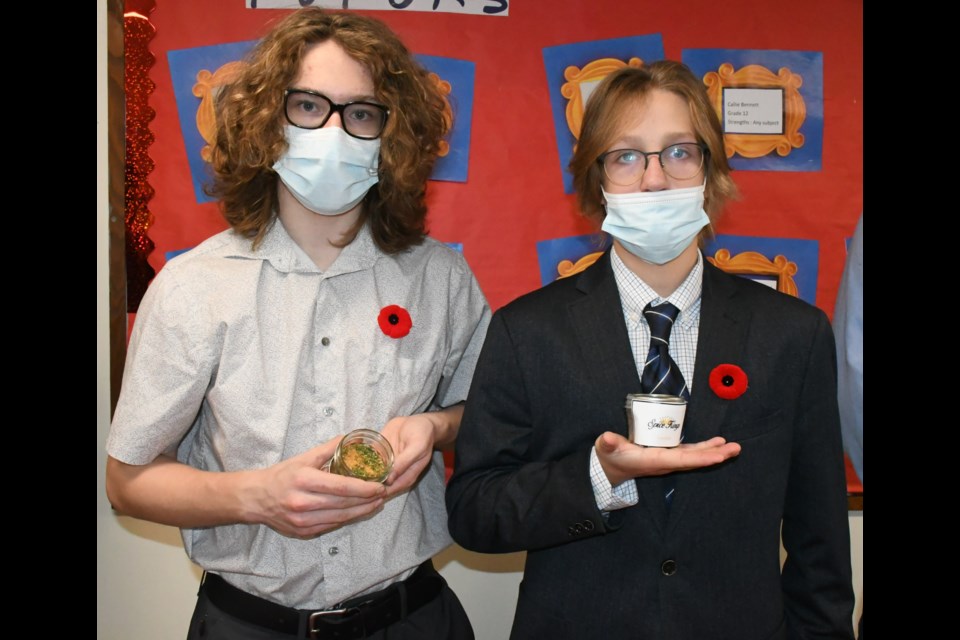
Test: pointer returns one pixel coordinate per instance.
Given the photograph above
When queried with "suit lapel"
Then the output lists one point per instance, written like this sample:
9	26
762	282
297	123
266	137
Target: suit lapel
722	339
601	334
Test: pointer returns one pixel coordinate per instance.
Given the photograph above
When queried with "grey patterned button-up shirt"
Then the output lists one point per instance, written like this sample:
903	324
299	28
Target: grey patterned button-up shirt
240	359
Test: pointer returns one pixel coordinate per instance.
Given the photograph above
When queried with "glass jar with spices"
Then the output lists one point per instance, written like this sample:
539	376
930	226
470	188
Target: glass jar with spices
363	454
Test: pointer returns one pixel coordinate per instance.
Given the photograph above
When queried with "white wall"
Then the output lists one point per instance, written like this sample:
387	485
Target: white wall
146	587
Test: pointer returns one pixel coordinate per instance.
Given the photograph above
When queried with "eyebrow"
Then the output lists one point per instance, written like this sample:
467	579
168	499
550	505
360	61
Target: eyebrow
630	142
358	98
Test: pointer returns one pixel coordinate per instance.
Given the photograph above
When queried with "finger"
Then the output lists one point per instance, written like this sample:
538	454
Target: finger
408	458
705	457
705	444
304	505
403	481
317	522
400	484
406	462
401	463
718	453
730	450
322	483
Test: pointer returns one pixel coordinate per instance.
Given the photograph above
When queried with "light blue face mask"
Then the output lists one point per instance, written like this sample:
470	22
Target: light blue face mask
328	171
655	226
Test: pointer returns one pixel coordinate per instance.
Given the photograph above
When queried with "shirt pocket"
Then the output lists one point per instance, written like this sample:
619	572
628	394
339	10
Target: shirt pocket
403	386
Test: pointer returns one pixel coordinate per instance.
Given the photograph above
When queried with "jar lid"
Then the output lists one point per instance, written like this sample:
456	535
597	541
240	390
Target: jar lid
654	398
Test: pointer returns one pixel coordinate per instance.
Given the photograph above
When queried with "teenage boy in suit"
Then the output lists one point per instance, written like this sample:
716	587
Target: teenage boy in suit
631	542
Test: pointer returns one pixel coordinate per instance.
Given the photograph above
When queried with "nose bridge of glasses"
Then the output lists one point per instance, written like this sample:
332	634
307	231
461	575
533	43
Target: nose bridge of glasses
646	158
653	176
332	109
336	110
659	164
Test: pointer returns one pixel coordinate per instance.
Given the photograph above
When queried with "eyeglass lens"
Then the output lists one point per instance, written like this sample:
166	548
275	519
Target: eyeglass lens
311	111
679	161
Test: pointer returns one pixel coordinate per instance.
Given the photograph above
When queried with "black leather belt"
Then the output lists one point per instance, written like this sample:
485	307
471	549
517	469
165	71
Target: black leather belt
355	618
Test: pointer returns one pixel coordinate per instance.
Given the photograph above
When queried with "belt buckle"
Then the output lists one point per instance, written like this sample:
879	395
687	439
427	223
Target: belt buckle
319	615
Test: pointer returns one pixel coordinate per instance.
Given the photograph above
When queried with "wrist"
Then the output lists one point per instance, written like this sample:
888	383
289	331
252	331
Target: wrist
249	497
438	427
446	425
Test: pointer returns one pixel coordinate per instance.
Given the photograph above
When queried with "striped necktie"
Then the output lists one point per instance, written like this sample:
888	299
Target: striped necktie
660	373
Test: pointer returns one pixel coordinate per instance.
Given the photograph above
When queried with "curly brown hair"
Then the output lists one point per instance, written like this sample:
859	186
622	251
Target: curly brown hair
250	137
603	121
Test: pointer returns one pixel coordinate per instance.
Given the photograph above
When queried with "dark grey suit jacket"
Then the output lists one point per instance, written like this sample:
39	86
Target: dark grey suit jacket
554	374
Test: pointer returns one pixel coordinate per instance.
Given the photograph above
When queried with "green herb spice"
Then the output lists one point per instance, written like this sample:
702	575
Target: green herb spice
363	461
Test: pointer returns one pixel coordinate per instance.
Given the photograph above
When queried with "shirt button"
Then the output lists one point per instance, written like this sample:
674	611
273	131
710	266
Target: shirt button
333	551
668	568
328	411
325	341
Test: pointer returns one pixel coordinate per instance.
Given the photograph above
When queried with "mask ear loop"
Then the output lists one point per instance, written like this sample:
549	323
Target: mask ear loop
708	232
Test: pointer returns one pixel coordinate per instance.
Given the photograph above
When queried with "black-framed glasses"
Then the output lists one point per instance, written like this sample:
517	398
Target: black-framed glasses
311	110
625	167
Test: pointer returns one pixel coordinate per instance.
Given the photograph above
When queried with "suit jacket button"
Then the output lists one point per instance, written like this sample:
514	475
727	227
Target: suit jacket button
668	568
588	525
578	528
570	530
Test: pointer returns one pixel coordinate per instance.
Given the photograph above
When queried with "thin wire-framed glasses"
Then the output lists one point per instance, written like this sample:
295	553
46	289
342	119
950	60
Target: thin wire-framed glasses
311	110
625	167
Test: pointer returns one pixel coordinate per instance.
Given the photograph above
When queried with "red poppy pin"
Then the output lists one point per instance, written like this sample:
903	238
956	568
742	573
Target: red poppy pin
394	321
728	381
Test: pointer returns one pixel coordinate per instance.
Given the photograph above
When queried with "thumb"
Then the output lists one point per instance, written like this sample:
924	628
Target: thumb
607	442
318	456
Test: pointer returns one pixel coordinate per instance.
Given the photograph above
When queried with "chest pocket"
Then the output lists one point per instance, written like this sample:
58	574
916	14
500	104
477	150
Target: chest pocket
407	385
741	424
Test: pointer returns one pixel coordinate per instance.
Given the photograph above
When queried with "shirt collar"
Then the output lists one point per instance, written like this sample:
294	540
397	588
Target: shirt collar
286	256
635	294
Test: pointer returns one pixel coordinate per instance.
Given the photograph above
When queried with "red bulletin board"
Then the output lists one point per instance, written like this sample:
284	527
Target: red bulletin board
514	196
